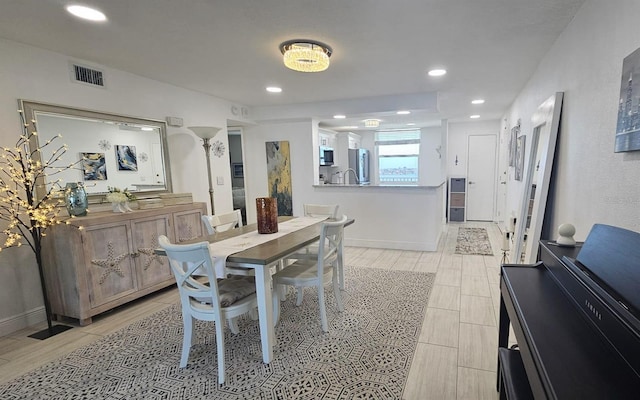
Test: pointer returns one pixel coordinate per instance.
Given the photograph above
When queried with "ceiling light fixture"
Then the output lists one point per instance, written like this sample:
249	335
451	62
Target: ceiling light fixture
403	112
477	101
339	116
371	123
437	72
305	55
87	13
474	116
274	89
411	124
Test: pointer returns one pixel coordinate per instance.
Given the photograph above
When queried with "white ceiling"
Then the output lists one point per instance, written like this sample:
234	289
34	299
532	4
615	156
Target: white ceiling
381	48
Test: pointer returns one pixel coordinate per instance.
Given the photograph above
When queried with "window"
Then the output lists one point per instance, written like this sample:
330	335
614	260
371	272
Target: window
398	156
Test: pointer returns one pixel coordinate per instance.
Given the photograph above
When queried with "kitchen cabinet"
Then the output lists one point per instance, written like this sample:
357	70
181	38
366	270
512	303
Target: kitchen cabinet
95	263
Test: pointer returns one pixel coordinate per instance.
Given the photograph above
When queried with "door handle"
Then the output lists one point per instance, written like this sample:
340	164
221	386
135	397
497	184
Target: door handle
471	182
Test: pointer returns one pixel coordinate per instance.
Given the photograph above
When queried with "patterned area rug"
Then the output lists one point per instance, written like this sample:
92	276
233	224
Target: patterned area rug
473	241
366	354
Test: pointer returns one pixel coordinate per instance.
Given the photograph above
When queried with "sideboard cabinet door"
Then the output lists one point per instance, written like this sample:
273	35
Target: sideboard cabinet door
188	225
151	268
109	265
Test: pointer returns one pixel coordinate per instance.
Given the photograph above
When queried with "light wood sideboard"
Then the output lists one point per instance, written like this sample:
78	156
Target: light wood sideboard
95	263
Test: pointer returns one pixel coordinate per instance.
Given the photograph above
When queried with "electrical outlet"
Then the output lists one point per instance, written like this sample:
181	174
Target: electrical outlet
220	180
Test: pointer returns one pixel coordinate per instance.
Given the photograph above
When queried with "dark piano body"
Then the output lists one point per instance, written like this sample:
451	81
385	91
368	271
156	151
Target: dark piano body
576	317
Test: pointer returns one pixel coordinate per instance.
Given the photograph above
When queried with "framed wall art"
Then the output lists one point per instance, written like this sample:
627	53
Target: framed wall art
520	156
126	158
628	126
94	167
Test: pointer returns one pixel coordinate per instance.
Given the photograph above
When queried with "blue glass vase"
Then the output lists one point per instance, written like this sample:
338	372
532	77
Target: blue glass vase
75	198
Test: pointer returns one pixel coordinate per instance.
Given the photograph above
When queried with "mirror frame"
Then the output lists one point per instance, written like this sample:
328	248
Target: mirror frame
548	113
30	108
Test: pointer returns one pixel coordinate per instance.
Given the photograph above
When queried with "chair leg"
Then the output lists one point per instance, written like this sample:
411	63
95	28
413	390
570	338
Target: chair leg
220	345
323	309
187	339
340	266
336	291
233	325
276	303
300	295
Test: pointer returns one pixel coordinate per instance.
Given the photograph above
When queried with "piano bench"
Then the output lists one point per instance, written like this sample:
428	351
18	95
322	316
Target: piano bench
514	384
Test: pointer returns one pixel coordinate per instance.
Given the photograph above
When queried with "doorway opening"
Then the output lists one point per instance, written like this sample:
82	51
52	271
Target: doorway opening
237	171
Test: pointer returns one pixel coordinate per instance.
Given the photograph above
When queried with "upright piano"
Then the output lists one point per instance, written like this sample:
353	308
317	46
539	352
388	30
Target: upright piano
576	319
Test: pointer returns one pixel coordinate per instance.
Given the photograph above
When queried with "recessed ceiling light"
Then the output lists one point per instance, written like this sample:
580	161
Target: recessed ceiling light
474	116
403	112
339	116
411	124
477	101
274	89
437	72
350	127
146	128
83	12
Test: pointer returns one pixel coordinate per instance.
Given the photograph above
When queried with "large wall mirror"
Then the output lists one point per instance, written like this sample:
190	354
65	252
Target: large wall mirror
546	122
108	150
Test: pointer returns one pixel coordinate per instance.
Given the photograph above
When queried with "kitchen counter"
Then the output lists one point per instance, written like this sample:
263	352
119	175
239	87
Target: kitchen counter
365	186
400	217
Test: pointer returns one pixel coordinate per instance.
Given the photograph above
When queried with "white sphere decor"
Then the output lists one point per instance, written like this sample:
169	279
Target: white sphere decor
566	232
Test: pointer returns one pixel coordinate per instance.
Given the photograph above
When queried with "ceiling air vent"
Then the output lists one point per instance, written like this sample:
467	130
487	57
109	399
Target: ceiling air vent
87	75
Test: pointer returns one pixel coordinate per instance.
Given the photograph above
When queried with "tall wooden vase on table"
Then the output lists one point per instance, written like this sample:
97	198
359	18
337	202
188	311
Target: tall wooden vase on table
267	212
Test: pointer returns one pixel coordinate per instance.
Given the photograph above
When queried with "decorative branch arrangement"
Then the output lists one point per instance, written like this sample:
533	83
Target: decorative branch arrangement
27	207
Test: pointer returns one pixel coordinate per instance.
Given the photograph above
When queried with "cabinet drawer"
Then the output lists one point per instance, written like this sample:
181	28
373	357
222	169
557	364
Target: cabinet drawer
456	214
457	199
458	184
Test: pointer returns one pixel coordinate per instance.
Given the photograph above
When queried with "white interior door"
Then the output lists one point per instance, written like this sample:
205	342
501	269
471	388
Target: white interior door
481	177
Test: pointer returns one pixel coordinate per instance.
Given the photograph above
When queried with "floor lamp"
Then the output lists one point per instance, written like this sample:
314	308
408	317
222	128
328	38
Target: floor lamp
206	133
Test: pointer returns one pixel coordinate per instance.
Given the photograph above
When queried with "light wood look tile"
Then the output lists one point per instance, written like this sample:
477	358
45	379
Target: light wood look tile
433	374
387	259
478	347
473	265
477	310
425	267
475	286
446	297
451	261
475	384
448	277
440	327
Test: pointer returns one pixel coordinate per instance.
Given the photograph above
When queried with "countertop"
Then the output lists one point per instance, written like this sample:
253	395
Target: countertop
341	185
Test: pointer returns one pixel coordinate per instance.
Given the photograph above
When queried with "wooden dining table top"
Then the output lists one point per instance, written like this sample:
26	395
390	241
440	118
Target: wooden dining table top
268	252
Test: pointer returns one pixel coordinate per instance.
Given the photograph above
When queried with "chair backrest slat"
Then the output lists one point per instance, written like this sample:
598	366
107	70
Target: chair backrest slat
222	222
321	210
331	236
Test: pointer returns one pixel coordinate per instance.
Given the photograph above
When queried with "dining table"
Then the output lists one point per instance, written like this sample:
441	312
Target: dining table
260	258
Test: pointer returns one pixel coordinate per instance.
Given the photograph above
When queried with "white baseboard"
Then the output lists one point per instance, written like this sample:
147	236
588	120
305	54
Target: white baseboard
21	321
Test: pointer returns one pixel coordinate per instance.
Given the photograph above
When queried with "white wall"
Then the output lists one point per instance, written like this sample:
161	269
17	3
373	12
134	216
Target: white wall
43	76
593	184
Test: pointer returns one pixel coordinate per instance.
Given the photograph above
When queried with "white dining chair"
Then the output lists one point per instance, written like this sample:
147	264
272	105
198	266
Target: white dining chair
222	222
311	252
307	273
208	301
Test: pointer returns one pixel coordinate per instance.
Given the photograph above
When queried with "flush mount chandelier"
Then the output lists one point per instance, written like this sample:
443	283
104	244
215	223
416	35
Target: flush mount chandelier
305	55
371	123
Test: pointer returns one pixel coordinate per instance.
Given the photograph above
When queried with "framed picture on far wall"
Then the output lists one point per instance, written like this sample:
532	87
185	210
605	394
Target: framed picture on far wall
238	170
515	131
94	167
520	156
628	126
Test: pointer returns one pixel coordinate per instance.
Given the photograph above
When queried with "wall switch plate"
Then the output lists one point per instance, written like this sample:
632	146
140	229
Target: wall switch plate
220	180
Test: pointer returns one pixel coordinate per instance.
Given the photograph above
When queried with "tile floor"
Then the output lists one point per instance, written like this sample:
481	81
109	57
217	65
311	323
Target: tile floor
457	350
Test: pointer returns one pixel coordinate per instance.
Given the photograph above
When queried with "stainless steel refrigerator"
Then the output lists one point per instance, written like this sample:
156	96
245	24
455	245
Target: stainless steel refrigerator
359	162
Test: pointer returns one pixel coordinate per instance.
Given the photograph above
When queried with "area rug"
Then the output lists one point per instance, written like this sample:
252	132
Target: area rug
473	241
366	354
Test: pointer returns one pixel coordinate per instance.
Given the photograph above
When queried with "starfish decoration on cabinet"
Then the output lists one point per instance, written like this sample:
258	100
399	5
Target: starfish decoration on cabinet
110	264
150	252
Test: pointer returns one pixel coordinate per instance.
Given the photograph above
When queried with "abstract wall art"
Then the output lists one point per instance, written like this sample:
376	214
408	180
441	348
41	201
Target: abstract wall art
628	126
126	158
279	175
94	167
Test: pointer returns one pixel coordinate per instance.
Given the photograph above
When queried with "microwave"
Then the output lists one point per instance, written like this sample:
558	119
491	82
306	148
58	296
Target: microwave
326	155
